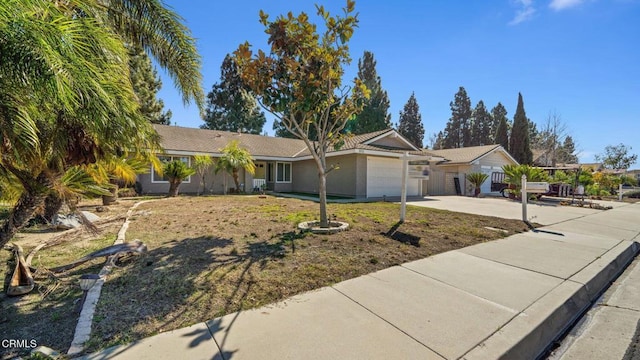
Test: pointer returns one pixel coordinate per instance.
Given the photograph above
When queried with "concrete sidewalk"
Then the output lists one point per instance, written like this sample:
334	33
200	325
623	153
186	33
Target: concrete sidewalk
509	298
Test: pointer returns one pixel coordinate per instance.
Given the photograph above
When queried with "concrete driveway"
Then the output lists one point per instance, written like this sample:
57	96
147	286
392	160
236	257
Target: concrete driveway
546	211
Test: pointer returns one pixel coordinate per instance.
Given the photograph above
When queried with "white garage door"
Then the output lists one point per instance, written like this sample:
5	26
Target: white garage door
384	178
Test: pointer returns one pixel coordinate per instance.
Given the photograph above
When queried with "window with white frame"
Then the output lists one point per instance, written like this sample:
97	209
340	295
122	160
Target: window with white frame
283	172
157	178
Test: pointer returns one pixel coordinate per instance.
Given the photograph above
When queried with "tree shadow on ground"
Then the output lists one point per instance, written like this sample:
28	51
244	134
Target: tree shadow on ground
402	237
170	282
48	315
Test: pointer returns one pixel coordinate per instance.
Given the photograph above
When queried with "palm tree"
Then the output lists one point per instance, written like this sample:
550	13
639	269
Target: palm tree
201	163
125	169
233	159
65	95
513	177
477	179
176	171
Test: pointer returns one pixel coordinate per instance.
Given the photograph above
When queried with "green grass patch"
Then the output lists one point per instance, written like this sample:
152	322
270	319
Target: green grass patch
62	255
300	216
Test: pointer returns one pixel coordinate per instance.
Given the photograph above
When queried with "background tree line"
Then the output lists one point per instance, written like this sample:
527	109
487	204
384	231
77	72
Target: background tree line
475	126
232	106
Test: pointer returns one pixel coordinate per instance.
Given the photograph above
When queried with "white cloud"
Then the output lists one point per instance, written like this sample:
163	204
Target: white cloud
525	12
559	5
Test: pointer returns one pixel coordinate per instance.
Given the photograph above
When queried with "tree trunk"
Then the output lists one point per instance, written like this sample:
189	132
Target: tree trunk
235	180
31	200
52	204
111	199
322	193
201	185
173	188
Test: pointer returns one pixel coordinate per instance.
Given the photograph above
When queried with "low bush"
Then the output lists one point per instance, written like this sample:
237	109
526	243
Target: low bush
127	192
635	194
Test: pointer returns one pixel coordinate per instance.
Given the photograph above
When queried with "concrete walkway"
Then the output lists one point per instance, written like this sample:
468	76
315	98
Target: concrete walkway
509	298
545	212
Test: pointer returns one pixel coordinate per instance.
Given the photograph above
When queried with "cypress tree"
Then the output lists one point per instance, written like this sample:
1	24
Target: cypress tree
146	85
375	113
230	105
519	143
499	113
410	124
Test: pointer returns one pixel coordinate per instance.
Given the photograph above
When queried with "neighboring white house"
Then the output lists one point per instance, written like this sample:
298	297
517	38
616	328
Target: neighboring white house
462	161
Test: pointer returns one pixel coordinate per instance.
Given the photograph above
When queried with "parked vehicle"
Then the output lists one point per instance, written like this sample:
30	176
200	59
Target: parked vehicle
498	183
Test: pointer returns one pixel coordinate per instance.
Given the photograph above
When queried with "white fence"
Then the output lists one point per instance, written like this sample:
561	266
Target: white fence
259	183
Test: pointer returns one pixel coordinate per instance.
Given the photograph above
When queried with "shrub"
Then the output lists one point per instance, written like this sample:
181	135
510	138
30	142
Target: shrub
597	190
561	177
635	194
477	179
513	176
127	192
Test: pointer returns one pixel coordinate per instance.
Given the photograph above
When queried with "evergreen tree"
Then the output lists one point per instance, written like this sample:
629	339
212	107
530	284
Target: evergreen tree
230	105
281	131
375	113
146	85
499	114
410	124
481	126
502	134
519	143
567	152
457	132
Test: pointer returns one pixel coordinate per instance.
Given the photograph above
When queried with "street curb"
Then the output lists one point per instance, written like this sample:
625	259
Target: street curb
530	334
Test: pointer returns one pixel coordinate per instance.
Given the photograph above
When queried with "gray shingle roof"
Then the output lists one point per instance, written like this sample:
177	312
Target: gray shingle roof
211	141
463	155
175	138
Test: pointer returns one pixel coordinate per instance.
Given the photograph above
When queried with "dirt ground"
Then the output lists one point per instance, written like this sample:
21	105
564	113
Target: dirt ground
214	255
48	314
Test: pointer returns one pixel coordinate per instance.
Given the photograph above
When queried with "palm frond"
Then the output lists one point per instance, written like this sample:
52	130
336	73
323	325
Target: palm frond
160	31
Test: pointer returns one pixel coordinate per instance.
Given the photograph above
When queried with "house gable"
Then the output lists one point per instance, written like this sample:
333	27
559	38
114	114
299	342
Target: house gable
392	140
498	156
471	155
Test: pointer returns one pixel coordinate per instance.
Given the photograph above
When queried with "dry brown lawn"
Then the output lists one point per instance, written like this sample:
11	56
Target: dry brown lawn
211	256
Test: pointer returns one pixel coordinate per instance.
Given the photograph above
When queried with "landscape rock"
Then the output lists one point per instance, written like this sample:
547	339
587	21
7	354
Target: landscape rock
72	221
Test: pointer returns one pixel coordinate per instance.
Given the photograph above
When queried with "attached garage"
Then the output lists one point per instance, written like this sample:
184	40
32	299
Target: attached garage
384	178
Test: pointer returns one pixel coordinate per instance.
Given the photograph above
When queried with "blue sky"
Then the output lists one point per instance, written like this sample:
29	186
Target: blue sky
577	58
